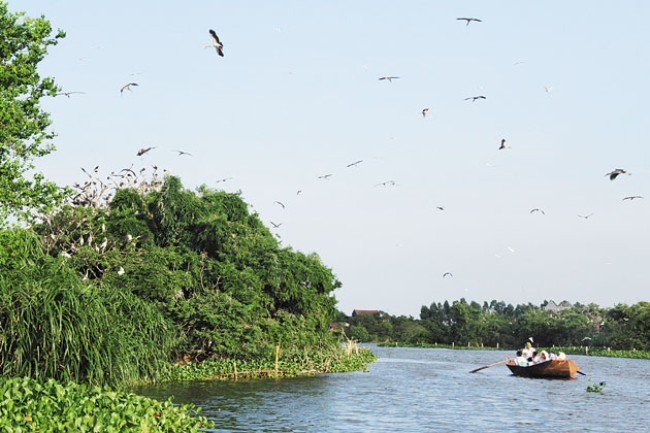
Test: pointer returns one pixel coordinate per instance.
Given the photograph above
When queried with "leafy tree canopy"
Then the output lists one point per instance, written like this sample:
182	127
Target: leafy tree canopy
24	125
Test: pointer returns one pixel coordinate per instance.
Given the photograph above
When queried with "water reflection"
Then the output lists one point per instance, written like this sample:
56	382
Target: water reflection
421	390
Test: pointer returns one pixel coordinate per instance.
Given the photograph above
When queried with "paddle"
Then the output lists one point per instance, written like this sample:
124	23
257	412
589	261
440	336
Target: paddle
580	372
488	366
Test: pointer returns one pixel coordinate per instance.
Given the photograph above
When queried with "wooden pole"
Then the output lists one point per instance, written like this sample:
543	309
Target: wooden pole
277	358
488	366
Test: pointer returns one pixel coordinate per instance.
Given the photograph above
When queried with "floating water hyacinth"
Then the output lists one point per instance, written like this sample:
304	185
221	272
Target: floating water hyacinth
592	387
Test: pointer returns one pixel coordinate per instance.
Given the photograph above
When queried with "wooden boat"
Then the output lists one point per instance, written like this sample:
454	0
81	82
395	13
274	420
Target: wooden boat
552	369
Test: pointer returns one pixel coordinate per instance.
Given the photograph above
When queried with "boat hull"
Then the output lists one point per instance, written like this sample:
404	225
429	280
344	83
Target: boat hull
553	369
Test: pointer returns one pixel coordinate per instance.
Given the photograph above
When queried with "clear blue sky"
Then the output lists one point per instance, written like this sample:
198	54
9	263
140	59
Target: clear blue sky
297	96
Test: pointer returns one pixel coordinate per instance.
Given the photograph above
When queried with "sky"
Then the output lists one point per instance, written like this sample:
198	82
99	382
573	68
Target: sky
297	96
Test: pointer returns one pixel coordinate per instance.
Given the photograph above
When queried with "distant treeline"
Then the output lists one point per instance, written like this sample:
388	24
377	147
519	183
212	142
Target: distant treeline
495	323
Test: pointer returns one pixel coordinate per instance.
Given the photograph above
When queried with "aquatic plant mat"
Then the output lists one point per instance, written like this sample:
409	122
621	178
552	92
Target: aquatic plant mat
28	405
235	369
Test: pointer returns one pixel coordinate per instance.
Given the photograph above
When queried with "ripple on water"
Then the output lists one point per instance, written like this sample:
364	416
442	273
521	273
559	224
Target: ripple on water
422	390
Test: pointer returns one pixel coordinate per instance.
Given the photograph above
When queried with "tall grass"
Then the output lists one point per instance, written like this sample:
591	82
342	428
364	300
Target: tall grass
52	325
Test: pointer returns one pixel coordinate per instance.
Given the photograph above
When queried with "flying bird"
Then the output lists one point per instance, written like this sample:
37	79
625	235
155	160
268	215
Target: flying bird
440	207
325	176
586	216
225	179
548	89
216	43
128	86
537	210
469	20
614	173
390	78
70	93
182	152
354	164
299	192
280	203
503	144
632	197
145	150
447	274
475	98
387	183
275	225
425	111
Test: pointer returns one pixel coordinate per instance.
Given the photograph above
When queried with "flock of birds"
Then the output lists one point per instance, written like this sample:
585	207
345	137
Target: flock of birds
97	190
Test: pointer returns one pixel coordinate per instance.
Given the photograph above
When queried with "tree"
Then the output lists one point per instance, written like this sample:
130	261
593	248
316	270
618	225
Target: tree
24	133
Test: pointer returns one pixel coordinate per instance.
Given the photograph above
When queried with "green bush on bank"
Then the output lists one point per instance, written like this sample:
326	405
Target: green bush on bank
28	405
227	369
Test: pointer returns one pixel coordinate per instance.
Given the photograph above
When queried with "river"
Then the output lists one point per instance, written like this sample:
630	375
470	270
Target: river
428	390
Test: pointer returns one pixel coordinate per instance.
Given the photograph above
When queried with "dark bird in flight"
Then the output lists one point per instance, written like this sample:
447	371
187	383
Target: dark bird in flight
387	183
447	274
390	79
503	144
128	86
354	164
70	93
425	111
585	216
275	225
440	207
632	197
612	174
537	210
469	20
474	98
182	152
298	192
216	43
145	150
223	179
280	203
325	176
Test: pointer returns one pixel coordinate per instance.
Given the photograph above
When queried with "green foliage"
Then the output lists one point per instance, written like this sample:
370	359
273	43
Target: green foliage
593	387
330	361
28	405
23	124
585	328
214	272
53	325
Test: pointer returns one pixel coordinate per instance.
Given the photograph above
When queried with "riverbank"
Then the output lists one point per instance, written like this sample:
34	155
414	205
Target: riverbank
49	405
569	350
347	360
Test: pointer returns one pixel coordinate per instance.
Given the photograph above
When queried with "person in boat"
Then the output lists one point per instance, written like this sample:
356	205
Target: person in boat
541	357
521	359
529	350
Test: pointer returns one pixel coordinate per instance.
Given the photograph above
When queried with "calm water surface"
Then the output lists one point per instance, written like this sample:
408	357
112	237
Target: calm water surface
426	390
